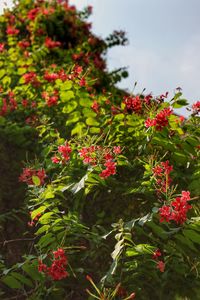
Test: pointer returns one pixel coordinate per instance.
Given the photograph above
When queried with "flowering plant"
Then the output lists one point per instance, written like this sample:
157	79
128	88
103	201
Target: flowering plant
94	181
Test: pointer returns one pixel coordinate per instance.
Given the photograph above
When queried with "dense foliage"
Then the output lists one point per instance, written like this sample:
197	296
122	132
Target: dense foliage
105	184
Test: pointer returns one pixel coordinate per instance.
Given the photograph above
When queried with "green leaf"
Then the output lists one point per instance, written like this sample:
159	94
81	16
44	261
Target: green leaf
180	103
31	270
140	250
12	282
37	211
46	216
42	229
66	96
92	122
46	240
36	180
67	85
192	235
2	73
78	129
22	279
69	107
73	118
86	102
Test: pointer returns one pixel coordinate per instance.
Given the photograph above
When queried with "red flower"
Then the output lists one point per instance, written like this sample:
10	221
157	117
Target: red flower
55	159
57	270
41	267
78	70
88	155
82	82
23	44
165	213
28	173
12	30
2	47
133	104
32	14
178	209
49	43
50	77
95	107
117	149
156	254
160	120
64	152
196	107
150	122
161	266
31	77
24	102
110	169
162	176
51	100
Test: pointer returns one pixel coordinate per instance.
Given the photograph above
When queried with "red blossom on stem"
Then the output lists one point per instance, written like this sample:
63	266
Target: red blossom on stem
63	154
31	77
23	44
196	107
32	14
177	210
156	254
95	107
161	266
51	44
57	270
11	30
161	174
2	47
133	104
161	119
28	173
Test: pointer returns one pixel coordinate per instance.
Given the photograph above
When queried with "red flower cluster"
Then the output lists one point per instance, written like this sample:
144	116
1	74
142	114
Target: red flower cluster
160	120
2	47
178	209
63	154
110	169
51	100
31	77
95	107
156	254
82	82
24	44
32	14
162	176
160	264
32	223
57	270
50	77
49	43
133	104
28	173
104	156
196	107
8	104
88	154
12	30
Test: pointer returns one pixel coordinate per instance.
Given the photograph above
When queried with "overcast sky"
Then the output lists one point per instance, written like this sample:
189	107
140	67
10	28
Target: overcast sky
164	42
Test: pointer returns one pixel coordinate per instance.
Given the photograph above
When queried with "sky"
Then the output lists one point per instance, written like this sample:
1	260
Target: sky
164	42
